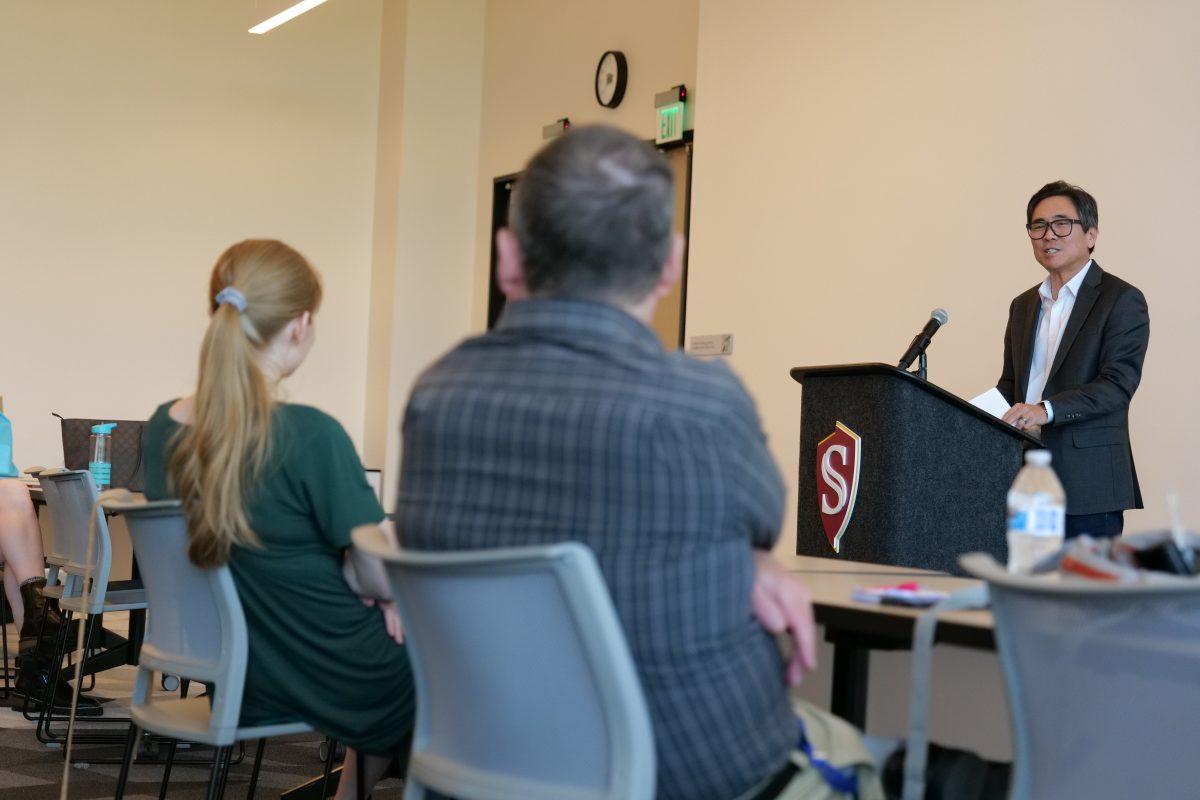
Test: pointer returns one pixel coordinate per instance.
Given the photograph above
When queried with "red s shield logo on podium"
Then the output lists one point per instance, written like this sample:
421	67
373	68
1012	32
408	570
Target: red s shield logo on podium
838	458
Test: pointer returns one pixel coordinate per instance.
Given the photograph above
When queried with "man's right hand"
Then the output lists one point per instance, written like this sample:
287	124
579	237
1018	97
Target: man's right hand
782	603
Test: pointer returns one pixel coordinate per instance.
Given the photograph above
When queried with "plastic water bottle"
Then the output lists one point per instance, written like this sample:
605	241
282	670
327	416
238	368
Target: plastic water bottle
100	464
1037	510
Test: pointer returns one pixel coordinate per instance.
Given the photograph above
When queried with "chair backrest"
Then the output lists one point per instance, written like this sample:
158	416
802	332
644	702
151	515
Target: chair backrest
1102	683
525	685
56	553
195	625
80	528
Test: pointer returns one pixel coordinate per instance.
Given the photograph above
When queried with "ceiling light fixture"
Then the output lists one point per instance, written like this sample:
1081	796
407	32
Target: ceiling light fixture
285	15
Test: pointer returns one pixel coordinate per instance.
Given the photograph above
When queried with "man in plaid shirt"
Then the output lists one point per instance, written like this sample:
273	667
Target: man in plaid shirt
570	422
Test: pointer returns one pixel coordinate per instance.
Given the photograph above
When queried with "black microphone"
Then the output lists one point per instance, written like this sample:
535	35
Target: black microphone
937	318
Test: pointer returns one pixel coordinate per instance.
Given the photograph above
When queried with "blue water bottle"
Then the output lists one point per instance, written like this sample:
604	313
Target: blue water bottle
100	464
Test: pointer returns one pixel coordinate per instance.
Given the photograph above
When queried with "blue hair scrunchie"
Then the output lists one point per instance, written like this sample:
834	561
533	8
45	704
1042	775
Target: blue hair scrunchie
233	297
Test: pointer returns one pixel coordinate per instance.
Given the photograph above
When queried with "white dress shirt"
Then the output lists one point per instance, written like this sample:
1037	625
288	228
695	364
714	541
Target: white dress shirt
1052	321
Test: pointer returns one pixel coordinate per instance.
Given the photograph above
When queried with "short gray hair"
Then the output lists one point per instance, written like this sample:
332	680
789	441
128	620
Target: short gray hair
592	213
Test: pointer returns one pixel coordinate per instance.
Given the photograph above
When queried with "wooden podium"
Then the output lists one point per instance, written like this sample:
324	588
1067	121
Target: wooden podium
895	470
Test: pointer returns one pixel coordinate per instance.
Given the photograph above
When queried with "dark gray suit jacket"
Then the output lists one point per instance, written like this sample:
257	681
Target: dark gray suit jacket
1095	373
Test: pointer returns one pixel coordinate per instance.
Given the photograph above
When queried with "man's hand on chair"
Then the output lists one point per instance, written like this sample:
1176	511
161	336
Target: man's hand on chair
782	603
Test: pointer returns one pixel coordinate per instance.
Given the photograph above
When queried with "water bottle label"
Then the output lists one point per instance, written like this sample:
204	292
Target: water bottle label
1036	516
101	472
1047	522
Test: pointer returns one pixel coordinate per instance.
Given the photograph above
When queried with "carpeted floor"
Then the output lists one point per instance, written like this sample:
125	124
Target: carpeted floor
30	770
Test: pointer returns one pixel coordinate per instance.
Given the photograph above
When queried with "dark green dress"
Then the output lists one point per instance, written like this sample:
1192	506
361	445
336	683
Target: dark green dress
316	652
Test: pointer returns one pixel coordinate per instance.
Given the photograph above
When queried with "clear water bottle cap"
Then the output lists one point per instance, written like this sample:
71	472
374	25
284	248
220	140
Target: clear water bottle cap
1037	458
104	427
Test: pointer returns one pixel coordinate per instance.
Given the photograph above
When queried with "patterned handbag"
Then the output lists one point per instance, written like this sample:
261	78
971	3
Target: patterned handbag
126	449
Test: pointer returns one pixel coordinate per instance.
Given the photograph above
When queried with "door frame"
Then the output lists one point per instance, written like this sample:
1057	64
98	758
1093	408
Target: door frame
502	192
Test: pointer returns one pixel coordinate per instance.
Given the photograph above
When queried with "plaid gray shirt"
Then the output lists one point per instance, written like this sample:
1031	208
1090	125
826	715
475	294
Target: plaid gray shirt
570	422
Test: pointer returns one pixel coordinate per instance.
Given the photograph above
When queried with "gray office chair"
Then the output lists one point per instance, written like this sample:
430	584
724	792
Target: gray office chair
82	531
58	580
525	686
1102	683
57	555
195	630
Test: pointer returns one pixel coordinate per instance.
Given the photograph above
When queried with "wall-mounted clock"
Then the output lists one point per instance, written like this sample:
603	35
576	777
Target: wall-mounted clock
612	73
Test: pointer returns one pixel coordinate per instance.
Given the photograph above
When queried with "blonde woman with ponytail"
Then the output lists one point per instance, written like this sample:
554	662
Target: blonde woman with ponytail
273	490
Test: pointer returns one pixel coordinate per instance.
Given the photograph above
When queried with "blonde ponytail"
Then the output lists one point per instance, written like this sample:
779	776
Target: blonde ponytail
217	459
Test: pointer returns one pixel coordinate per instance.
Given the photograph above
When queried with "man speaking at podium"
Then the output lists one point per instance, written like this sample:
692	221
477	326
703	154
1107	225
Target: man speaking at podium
1073	353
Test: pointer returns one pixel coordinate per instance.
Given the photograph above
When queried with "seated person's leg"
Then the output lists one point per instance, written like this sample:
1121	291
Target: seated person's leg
12	591
20	546
375	767
21	549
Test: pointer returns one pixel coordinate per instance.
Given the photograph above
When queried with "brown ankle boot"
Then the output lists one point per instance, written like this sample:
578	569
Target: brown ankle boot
35	602
34	658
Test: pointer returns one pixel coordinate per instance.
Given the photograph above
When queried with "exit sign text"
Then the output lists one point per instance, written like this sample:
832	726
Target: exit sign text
670	123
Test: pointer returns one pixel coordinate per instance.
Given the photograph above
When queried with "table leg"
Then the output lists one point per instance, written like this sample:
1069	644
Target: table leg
851	671
137	631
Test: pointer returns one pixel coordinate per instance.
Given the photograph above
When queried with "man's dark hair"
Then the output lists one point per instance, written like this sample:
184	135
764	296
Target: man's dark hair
592	213
1085	204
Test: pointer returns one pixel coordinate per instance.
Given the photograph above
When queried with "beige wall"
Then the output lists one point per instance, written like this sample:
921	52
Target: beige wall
436	204
861	163
138	139
393	49
540	64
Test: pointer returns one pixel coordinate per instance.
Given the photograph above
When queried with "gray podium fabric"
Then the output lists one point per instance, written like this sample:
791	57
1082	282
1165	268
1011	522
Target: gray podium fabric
934	475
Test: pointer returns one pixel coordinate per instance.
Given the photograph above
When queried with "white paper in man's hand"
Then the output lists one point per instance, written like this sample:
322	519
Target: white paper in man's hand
992	402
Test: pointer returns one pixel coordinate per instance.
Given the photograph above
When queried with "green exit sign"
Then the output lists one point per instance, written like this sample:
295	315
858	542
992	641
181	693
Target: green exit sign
670	123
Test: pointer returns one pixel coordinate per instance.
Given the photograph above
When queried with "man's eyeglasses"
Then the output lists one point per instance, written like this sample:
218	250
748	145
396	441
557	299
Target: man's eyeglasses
1061	227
